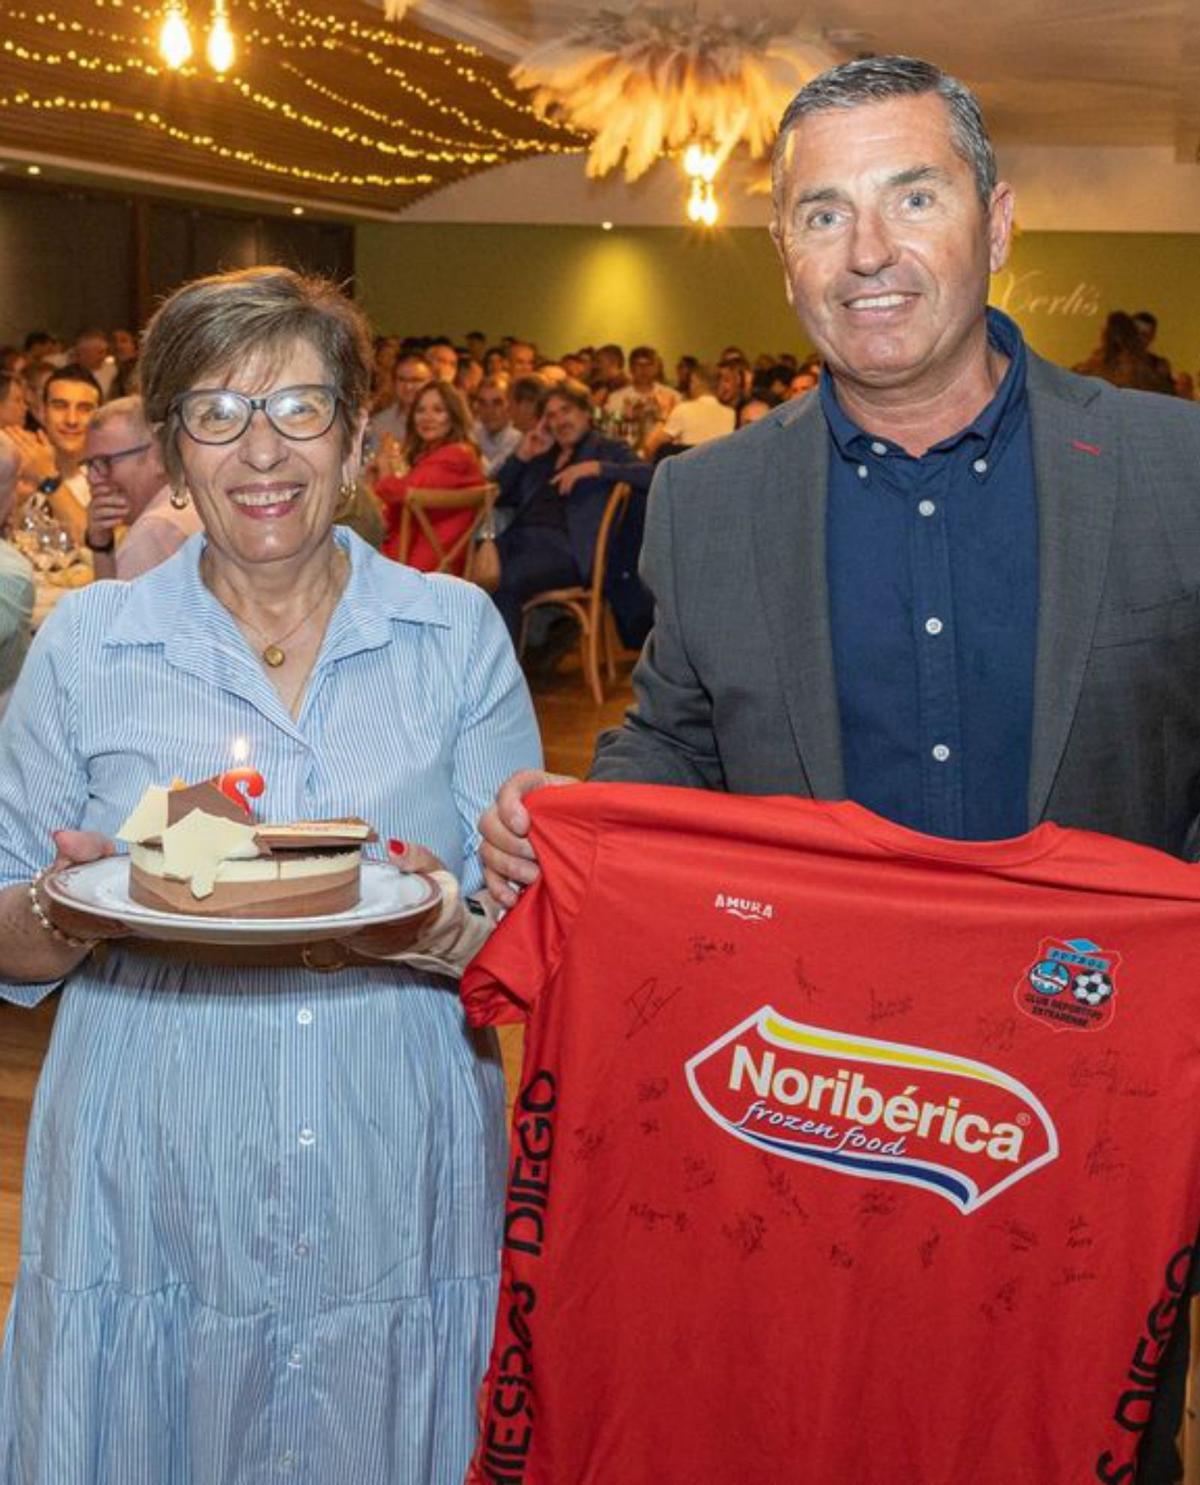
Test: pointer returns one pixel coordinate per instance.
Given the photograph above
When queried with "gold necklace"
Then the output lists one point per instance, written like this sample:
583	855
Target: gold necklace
273	653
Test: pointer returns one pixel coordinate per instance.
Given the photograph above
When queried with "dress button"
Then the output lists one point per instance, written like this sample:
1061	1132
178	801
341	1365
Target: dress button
307	1137
295	1357
304	1017
941	752
926	507
301	1250
878	448
862	471
980	466
934	626
287	1461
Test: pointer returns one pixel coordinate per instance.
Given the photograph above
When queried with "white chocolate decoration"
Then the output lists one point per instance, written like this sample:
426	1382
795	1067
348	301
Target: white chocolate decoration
195	848
148	817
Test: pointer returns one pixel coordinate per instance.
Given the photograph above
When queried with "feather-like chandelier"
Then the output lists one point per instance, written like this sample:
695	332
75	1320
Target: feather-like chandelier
652	82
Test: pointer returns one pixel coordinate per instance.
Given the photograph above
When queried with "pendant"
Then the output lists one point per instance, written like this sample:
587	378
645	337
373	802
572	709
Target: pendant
274	656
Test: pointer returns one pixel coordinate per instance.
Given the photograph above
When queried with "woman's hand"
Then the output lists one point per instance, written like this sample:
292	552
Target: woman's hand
566	479
77	848
441	941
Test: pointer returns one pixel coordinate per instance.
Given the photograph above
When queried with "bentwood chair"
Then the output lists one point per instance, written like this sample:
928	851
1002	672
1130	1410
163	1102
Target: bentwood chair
586	603
415	518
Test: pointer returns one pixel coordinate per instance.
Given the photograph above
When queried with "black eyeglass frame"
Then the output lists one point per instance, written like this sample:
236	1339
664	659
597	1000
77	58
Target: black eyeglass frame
253	405
103	463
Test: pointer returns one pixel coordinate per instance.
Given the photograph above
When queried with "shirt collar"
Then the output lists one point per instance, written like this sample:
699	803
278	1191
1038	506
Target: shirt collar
989	432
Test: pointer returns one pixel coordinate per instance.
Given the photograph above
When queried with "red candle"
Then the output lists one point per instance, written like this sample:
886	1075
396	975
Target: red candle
237	783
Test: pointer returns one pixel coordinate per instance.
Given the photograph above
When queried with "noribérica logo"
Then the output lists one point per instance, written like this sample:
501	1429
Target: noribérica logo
878	1110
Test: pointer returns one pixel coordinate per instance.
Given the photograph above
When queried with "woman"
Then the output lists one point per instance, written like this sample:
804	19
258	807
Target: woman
1121	358
557	483
438	453
262	1203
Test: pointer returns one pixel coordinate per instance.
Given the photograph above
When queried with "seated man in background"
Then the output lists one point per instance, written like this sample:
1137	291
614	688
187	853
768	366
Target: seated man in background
16	582
646	397
410	374
50	460
608	374
522	358
495	432
443	359
697	419
130	488
91	351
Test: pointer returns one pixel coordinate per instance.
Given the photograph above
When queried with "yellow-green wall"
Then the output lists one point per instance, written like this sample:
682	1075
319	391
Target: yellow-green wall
684	291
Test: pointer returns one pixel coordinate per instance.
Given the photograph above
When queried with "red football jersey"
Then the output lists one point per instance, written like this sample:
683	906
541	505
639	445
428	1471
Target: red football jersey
843	1154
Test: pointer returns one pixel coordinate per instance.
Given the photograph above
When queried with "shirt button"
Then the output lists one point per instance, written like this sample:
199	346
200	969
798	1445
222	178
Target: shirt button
934	626
941	752
307	1137
304	1017
301	1250
878	448
862	471
295	1357
926	507
287	1461
980	466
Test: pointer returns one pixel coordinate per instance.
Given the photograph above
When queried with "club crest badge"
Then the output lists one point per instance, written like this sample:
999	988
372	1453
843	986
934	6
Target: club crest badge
1070	986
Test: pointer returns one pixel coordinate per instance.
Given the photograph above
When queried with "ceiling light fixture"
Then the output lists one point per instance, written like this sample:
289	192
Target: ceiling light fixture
175	39
221	51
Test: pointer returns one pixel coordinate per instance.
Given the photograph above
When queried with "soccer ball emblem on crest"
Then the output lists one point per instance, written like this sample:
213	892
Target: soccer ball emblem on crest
1091	988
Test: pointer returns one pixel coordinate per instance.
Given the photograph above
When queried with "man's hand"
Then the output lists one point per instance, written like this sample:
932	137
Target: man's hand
535	442
508	859
566	479
77	848
37	457
108	509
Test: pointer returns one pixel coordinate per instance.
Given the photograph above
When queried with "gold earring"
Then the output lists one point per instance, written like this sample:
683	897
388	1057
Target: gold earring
179	497
347	494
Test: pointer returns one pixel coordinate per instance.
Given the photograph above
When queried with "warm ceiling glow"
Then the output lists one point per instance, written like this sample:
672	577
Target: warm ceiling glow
297	211
606	226
220	50
175	40
33	170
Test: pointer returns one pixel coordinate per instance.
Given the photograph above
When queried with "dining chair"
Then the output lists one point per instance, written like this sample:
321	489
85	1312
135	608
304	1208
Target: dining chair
415	518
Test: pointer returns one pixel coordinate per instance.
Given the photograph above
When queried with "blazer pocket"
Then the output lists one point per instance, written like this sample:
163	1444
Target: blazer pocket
1132	626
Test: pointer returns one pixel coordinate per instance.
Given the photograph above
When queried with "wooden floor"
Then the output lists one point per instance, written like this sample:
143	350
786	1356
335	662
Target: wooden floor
569	721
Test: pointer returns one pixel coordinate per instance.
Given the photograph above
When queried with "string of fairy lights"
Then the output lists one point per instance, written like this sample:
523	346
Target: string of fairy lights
153	43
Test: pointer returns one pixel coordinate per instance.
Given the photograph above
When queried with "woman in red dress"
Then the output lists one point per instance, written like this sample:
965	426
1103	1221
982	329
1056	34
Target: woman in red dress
438	454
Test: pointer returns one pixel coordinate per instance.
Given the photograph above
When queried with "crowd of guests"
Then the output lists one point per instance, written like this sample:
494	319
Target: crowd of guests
546	438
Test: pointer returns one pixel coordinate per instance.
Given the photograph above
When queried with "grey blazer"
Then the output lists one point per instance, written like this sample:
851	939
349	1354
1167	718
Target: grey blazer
735	688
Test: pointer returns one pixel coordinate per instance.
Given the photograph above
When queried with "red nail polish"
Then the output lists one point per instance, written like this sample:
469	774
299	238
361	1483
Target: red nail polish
397	847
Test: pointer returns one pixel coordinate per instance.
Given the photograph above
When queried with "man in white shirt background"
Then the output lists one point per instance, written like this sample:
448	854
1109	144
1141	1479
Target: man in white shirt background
495	432
696	420
130	488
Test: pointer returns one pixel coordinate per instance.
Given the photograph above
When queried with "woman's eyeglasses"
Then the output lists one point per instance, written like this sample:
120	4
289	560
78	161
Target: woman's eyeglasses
221	416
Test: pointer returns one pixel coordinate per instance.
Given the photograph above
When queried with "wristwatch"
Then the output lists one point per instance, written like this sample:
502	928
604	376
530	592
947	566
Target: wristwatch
97	546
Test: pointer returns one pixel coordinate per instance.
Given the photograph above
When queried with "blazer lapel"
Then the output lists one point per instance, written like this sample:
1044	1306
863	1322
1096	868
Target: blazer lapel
789	550
1076	469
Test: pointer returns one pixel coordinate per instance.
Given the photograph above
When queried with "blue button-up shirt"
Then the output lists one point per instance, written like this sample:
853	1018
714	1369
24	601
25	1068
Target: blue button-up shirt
933	573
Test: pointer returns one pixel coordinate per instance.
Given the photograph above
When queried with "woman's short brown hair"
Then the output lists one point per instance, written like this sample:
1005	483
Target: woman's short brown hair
456	410
212	325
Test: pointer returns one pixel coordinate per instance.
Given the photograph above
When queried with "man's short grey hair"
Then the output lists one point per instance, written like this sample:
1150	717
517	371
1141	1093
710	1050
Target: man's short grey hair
876	79
129	408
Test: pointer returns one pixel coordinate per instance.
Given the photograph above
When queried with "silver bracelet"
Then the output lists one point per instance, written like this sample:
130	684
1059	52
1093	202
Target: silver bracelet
44	922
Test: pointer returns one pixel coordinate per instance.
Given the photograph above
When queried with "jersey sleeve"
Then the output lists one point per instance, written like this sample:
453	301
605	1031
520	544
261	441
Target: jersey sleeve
505	981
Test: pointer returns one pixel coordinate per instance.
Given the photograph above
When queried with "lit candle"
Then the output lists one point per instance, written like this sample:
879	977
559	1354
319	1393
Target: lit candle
238	783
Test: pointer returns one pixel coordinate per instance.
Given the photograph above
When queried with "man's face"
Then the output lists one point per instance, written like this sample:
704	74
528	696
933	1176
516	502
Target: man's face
520	358
524	413
641	371
885	244
67	409
410	377
444	360
491	406
91	351
129	462
729	385
1146	331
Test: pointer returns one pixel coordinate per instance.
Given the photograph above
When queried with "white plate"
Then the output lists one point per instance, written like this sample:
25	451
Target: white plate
102	887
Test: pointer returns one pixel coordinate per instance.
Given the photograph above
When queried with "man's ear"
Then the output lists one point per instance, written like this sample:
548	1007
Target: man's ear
1000	225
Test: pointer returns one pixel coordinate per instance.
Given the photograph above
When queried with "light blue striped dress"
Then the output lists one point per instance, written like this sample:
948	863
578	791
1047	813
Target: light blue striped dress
261	1215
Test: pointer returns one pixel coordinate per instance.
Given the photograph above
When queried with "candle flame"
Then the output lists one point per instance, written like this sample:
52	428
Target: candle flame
240	750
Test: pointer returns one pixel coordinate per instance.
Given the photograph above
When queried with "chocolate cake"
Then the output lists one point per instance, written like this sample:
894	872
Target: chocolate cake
196	849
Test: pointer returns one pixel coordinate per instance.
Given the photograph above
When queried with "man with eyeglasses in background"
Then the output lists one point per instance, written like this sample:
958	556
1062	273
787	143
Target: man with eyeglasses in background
495	432
130	488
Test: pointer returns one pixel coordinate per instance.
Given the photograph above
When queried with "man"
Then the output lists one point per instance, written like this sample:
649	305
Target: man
733	381
442	359
495	432
609	373
699	418
957	584
130	488
476	343
522	358
645	396
16	582
92	353
1147	328
50	460
410	374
